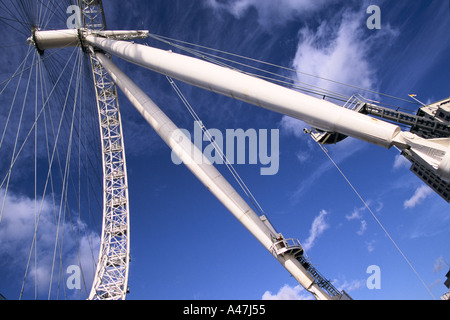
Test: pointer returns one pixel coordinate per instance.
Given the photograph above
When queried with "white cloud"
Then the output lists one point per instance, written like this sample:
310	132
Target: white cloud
318	227
349	286
421	194
303	156
336	51
362	228
370	245
270	12
288	293
439	264
292	126
299	293
17	229
401	162
356	214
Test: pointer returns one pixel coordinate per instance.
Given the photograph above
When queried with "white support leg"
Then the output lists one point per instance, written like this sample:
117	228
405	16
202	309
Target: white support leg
207	173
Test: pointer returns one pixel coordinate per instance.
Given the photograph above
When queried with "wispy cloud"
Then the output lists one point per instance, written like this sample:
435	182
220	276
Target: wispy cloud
401	162
292	126
340	50
357	215
349	286
370	245
362	228
288	293
439	264
408	68
271	12
334	52
318	227
17	230
419	196
339	154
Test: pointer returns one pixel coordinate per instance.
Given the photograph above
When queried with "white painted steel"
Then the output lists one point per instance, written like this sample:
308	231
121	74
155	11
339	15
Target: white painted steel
53	39
207	173
434	153
444	167
111	275
112	270
318	113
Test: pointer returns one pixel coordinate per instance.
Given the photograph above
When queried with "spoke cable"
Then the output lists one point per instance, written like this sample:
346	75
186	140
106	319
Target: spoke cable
170	41
228	164
375	217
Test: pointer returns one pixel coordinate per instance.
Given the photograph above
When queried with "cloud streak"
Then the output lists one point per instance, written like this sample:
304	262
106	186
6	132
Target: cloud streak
439	264
338	49
318	227
299	293
17	230
418	197
357	215
337	53
270	12
401	162
340	153
288	293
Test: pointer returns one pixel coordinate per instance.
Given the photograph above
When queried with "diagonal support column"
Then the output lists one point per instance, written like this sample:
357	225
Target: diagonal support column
205	171
319	114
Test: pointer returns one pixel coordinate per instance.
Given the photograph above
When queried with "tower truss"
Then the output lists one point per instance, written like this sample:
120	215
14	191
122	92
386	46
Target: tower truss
111	276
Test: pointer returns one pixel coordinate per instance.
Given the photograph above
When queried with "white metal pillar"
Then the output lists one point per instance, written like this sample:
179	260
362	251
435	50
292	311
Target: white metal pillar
320	114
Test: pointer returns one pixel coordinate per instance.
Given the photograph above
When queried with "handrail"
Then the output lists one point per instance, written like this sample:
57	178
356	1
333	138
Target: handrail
284	245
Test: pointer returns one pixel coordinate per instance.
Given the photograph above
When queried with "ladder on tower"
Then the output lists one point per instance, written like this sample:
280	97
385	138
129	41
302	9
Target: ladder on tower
321	281
293	247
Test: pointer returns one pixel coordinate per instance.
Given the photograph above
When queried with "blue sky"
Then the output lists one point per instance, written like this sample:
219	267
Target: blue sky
186	245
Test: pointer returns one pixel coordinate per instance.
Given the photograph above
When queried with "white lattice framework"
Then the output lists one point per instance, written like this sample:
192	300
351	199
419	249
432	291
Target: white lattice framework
111	277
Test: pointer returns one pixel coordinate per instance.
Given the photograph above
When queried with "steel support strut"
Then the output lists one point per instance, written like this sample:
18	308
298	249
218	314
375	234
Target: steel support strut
205	171
320	114
111	276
